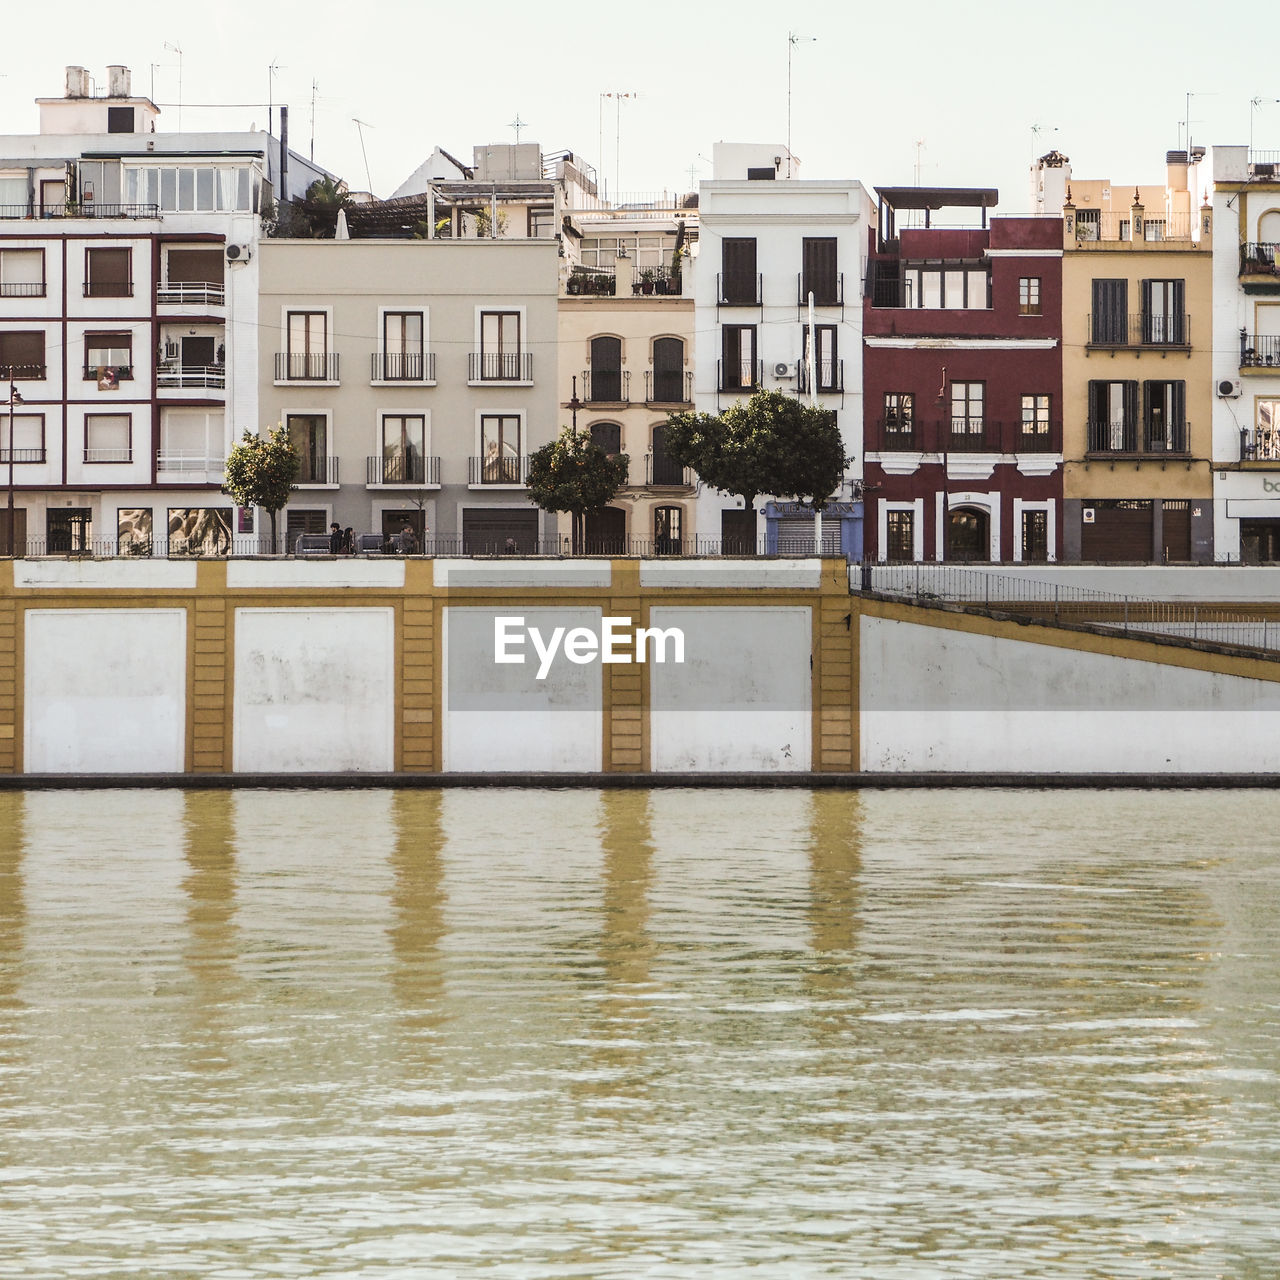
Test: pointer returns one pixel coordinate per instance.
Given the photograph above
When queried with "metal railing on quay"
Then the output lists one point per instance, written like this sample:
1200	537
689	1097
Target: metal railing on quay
1037	600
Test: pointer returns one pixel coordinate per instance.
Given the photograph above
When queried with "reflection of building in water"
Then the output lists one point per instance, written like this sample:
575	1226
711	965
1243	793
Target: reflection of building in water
13	912
418	899
213	939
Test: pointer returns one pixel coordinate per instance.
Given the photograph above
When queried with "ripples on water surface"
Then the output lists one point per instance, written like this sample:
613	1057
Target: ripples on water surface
562	1034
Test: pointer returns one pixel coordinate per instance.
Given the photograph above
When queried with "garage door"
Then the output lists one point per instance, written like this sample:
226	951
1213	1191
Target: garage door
1118	531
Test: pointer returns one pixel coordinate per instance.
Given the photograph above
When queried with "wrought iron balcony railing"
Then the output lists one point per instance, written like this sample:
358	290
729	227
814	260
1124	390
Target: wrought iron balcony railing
665	473
739	375
827	290
306	366
829	375
1259	351
1131	437
191	293
606	386
1172	329
212	377
738	288
500	366
402	468
668	386
504	469
403	366
317	468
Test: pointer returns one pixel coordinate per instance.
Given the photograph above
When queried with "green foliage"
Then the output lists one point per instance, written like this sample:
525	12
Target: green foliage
772	443
261	471
574	474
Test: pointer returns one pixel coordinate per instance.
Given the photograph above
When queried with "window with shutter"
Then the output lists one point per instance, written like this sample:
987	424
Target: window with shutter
739	281
819	276
1110	320
22	355
107	273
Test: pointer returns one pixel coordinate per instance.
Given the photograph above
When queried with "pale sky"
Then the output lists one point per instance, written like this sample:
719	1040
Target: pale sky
1106	83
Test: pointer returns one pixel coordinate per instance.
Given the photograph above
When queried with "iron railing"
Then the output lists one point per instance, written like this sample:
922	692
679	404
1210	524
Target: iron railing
739	375
403	366
188	462
827	290
738	288
211	377
107	455
606	386
500	366
306	366
1257	445
24	372
402	469
504	469
1054	602
668	386
191	293
829	373
121	372
87	210
19	456
317	468
962	435
663	472
1130	437
1259	350
1117	225
591	282
1149	329
20	289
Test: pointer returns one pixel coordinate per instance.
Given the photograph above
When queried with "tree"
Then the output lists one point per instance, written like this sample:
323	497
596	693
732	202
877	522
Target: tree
261	471
772	443
574	474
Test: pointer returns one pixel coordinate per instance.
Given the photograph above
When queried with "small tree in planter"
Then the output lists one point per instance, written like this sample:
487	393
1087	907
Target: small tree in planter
261	471
772	443
574	474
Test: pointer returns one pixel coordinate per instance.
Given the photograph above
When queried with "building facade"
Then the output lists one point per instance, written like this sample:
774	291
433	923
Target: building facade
962	382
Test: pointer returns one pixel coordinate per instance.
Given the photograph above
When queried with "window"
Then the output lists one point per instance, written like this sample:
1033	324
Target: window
69	530
663	469
605	381
668	372
1035	535
21	273
1113	417
1165	423
404	447
542	222
1029	296
120	119
309	434
403	346
668	530
1109	320
108	354
899	410
1266	436
193	275
739	282
28	437
107	438
500	459
307	352
819	276
22	355
953	288
200	531
900	535
1163	320
191	440
826	368
15	194
967	408
223	189
1088	224
738	368
1153	229
1035	419
107	273
607	436
502	356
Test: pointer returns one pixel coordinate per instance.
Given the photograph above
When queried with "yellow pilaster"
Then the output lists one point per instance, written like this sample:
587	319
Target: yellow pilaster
626	749
9	709
210	682
836	732
418	668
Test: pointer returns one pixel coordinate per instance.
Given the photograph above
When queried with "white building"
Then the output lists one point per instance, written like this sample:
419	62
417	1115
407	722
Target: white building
768	239
1246	340
128	319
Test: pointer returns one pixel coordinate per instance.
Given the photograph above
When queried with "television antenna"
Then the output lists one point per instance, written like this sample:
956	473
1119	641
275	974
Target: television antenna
792	41
177	48
271	80
361	126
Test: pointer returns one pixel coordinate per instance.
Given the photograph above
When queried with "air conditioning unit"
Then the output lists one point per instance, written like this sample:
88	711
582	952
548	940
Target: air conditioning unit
237	253
784	370
1229	389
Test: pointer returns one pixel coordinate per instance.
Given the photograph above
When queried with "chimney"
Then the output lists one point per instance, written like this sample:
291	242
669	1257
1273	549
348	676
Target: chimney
1176	167
77	82
118	82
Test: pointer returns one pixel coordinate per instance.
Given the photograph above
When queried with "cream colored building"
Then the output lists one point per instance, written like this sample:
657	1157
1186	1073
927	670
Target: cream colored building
1137	335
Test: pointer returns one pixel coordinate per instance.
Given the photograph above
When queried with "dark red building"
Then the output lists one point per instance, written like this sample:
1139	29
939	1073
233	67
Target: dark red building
962	382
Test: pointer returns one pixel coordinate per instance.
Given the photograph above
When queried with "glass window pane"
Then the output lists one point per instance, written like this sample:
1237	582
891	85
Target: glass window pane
186	190
204	190
168	190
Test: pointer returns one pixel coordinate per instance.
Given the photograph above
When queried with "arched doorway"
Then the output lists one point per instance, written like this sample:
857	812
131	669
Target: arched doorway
968	534
606	532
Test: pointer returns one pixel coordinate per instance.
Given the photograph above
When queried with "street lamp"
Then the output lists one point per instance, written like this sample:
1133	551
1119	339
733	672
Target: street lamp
574	405
14	398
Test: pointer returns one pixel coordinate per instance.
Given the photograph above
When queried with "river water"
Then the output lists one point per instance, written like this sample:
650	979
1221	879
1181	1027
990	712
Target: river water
671	1033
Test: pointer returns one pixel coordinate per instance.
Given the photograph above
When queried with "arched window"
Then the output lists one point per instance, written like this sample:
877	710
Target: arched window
605	382
668	530
668	371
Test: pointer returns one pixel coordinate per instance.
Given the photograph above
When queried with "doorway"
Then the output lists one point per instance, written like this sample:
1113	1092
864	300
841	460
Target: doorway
968	534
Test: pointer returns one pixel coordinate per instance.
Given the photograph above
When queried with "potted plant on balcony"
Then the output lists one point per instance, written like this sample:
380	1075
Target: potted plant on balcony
646	280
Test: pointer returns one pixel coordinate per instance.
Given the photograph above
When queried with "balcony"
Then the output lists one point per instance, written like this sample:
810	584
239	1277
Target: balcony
668	386
403	366
195	293
1146	330
117	372
1259	351
405	470
500	366
1258	444
1095	225
108	288
607	386
591	282
1130	439
317	469
92	454
89	210
19	456
739	375
191	377
830	376
306	366
972	435
828	291
661	472
185	466
26	372
899	435
738	288
508	470
21	289
656	280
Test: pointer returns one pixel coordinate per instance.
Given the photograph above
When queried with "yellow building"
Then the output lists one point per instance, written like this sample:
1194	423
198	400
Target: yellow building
1137	340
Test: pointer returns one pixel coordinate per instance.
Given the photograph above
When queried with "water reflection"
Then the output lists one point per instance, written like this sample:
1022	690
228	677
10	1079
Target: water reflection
13	843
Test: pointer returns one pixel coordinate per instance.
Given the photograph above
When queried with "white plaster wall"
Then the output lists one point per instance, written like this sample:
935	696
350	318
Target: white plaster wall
313	575
522	573
742	698
133	575
105	690
939	700
796	575
314	691
498	717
